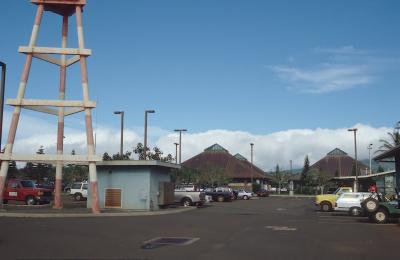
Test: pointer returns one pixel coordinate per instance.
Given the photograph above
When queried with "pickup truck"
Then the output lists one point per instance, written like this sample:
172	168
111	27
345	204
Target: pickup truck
220	194
25	190
326	202
189	198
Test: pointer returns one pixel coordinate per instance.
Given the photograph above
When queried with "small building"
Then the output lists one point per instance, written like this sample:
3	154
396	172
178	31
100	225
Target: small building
337	163
237	168
392	155
134	185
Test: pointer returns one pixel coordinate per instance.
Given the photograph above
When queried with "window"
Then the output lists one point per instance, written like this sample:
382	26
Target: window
27	184
13	185
85	186
76	186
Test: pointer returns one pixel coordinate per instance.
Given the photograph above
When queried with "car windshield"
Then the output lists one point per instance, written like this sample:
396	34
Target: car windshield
28	184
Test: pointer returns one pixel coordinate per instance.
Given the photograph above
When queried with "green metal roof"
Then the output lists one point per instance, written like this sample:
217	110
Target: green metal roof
240	157
336	152
215	148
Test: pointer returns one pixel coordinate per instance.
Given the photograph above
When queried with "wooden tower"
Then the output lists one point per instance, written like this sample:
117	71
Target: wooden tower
62	57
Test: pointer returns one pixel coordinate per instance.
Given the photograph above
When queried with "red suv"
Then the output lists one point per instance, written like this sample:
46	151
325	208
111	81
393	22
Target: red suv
25	190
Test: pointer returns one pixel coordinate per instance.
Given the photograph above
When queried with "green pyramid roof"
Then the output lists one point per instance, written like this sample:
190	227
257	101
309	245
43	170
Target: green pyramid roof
215	148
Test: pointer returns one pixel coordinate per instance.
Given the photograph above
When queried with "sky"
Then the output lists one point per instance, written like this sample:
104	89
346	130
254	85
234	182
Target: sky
289	76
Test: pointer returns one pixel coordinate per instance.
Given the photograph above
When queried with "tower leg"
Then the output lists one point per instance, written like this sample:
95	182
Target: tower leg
17	110
60	130
88	115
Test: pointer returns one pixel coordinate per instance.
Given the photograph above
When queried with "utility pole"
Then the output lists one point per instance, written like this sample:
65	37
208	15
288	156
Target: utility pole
145	132
2	86
121	146
369	154
176	152
180	143
354	130
251	146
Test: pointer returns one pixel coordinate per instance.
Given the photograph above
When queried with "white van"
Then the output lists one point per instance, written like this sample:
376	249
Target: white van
351	202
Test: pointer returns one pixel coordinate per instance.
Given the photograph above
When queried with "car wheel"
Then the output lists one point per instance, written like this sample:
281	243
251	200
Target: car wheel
78	196
186	202
5	201
30	200
326	206
381	216
370	205
220	199
245	197
355	211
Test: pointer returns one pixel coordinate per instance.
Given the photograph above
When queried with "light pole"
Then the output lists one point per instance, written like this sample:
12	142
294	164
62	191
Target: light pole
251	174
355	155
145	132
121	148
369	154
180	142
2	85
176	152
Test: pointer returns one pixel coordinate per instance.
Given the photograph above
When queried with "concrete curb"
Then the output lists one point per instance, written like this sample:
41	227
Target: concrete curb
90	215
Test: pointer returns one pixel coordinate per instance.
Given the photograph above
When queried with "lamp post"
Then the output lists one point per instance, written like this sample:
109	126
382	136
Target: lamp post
145	132
251	174
121	148
354	130
176	152
180	142
2	85
369	154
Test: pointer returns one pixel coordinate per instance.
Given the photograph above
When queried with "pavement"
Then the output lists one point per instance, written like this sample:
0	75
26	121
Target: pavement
266	228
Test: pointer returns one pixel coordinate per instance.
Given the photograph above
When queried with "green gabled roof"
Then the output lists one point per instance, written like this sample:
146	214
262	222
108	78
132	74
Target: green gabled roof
336	152
215	148
240	157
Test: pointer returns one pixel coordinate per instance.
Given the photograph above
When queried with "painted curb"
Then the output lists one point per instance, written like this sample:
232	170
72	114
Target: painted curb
90	215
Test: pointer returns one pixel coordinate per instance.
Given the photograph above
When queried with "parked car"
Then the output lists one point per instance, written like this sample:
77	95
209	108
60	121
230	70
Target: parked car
351	202
326	202
189	198
25	190
242	194
79	190
220	194
262	193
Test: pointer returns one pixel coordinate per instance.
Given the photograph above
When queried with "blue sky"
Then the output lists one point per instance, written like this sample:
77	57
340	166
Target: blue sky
254	66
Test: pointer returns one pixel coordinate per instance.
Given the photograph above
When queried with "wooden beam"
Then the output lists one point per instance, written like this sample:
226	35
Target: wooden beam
47	58
40	158
42	109
73	60
54	103
72	111
49	50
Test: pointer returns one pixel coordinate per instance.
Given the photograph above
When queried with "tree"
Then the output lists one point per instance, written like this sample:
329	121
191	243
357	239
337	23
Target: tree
75	173
185	175
39	171
125	156
279	177
156	154
317	178
106	157
394	140
139	150
306	168
380	168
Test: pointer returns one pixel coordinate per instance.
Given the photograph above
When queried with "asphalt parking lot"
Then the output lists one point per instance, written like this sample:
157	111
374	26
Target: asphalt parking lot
266	228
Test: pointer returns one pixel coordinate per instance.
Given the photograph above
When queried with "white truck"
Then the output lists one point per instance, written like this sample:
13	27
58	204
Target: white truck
79	190
189	198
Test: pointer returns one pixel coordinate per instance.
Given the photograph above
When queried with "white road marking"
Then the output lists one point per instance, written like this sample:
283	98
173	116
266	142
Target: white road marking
281	228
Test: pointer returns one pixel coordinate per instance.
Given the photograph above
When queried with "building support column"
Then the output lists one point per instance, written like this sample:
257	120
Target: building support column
21	93
88	115
60	130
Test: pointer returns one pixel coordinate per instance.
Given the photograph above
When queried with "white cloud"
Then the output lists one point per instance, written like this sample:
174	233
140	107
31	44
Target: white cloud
324	79
333	70
269	149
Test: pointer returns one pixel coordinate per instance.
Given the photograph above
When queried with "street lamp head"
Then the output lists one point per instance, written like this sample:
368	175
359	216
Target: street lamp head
118	112
176	144
251	144
150	111
180	130
352	130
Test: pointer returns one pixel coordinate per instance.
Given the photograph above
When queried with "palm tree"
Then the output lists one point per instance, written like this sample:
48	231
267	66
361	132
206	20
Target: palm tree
393	141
